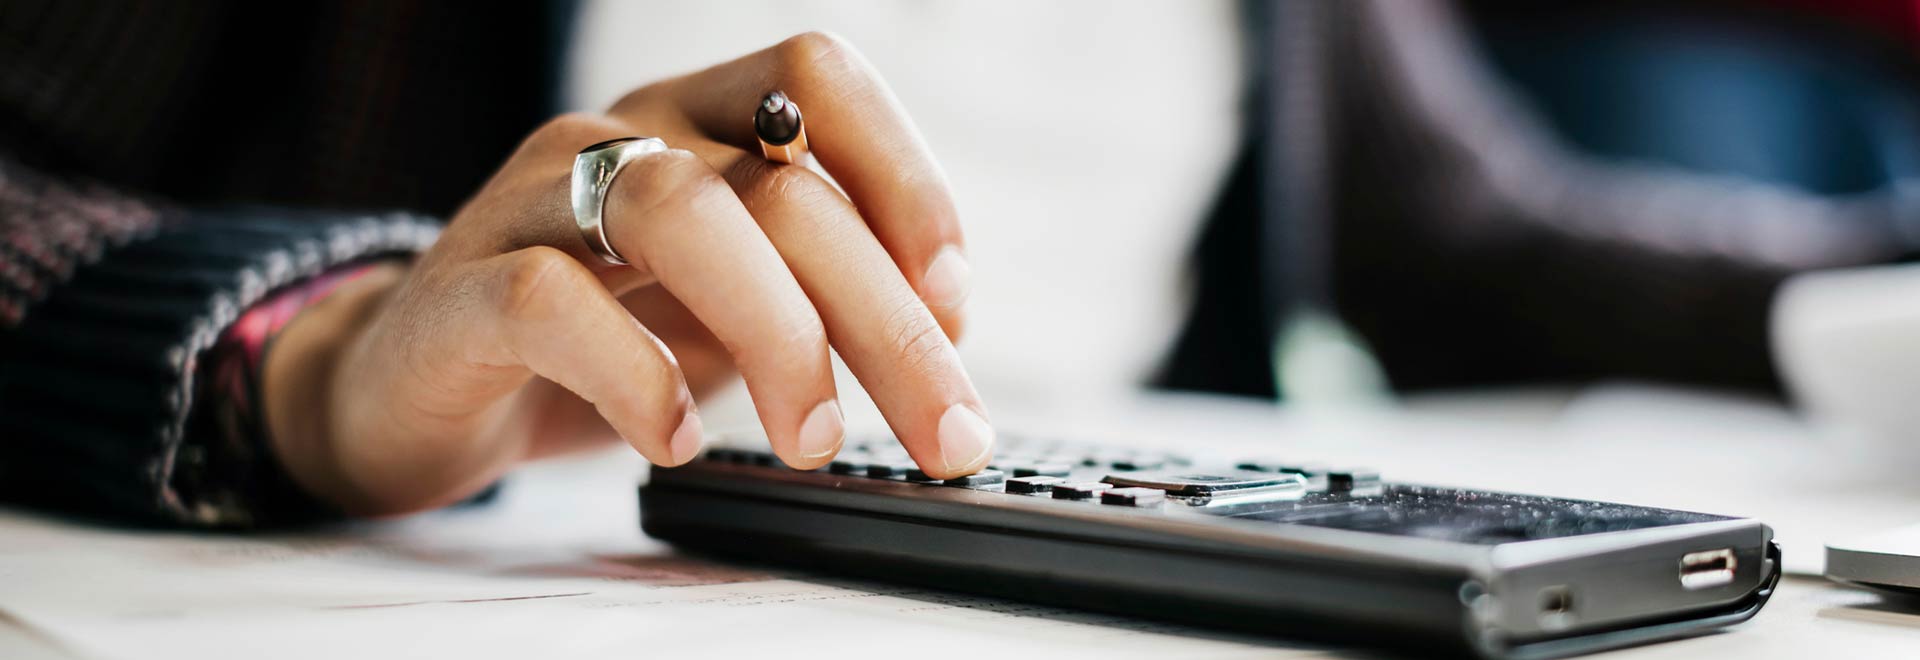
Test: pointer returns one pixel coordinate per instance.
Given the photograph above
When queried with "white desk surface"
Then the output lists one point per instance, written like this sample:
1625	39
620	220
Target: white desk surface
557	566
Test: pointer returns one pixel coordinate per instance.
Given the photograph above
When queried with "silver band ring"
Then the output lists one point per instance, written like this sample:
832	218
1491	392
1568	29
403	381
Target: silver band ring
593	172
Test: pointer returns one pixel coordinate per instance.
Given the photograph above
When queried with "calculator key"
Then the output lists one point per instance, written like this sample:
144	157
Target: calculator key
1140	497
1314	473
1043	470
1209	484
979	479
1352	479
889	470
1308	470
918	475
1080	491
855	463
1033	485
725	455
1136	463
760	458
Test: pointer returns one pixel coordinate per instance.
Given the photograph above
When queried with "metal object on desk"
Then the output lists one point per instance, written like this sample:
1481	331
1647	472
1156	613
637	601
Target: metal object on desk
1888	560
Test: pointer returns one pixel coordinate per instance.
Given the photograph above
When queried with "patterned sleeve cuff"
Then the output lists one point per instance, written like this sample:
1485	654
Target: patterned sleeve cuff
231	419
112	401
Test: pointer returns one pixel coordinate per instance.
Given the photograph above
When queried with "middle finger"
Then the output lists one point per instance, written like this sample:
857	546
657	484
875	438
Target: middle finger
886	334
673	216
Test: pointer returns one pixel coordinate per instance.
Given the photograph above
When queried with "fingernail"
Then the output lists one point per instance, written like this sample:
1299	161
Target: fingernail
686	439
948	280
965	439
821	434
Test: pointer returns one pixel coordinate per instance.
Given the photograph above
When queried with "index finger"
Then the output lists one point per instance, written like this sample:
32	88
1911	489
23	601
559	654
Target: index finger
859	132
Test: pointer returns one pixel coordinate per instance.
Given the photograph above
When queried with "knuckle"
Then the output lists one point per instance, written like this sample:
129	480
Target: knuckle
571	128
914	340
673	183
816	57
532	278
636	98
768	184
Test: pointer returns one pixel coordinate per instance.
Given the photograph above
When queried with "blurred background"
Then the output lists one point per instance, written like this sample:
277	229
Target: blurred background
1330	202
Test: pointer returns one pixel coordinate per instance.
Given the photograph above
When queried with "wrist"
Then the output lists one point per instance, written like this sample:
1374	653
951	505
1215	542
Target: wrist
298	369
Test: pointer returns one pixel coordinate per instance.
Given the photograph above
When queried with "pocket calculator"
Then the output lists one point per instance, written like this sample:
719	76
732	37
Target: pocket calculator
1265	545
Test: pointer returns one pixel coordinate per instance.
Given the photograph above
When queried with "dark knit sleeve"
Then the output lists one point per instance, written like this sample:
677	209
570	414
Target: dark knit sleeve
109	303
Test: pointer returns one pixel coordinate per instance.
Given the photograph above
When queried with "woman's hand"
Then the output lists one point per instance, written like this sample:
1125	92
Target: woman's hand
413	388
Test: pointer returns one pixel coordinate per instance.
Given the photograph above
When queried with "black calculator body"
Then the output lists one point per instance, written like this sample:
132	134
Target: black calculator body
1299	551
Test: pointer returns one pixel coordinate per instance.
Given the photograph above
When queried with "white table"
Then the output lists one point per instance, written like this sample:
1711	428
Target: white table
557	566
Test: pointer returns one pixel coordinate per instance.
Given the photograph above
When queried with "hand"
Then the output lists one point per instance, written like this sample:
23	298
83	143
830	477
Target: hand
416	386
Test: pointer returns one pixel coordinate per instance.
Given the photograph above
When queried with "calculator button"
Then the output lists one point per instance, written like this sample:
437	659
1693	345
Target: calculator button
850	464
1210	485
1033	485
1352	479
1080	491
1136	463
1284	467
979	479
888	470
918	475
1141	497
760	458
1308	470
1314	473
1043	470
725	455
